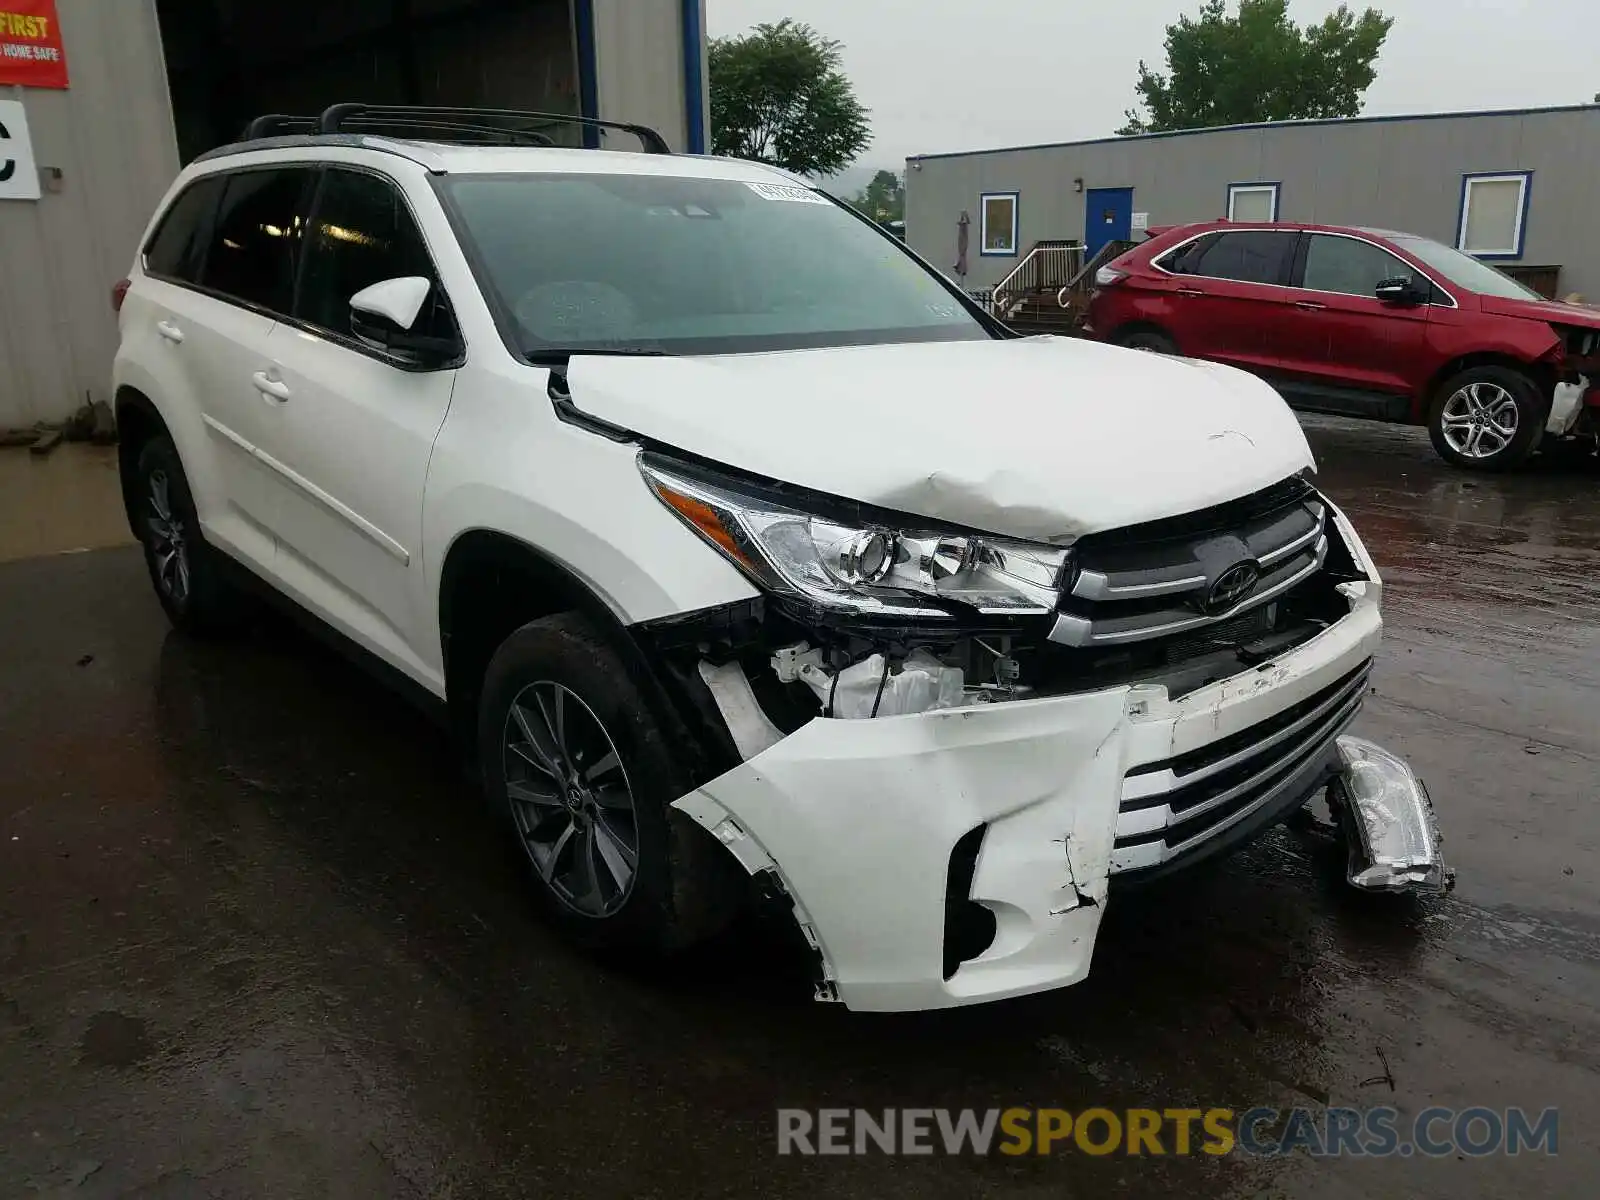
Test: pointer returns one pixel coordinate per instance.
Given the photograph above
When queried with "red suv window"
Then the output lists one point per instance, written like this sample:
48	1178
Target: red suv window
1245	255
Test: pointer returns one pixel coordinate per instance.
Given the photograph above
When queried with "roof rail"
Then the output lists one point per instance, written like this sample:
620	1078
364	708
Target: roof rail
478	122
277	125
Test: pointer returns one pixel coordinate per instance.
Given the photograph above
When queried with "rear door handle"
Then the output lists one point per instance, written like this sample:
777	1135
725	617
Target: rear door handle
169	331
1310	305
268	386
1190	292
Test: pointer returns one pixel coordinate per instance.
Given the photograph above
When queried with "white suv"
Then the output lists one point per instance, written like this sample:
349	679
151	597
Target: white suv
738	542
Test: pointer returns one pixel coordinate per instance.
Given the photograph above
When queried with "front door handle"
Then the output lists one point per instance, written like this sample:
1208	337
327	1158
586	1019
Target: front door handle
1190	292
169	331
1309	306
268	386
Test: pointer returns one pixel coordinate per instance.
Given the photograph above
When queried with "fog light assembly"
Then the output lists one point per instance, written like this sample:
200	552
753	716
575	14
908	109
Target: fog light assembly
1388	822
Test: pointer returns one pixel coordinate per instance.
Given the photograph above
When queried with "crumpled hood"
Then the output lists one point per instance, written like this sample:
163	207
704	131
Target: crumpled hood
1542	310
1043	438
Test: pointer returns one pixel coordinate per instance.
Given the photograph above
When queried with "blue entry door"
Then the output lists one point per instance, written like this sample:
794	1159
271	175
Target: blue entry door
1108	217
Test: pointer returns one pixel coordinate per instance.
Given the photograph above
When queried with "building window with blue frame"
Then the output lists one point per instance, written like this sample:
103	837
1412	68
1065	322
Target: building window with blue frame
1494	214
997	235
1256	203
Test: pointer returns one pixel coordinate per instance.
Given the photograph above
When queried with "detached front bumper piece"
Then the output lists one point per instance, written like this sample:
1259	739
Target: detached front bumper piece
1388	822
862	825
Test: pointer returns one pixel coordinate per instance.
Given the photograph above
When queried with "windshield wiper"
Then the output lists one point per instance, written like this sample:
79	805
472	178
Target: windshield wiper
559	356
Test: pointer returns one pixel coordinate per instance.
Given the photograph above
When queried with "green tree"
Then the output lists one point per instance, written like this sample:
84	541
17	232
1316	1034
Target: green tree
884	199
1259	66
778	96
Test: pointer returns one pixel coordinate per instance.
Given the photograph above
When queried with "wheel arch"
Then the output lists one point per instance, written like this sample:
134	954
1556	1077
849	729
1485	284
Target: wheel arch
1140	325
1542	374
490	585
138	420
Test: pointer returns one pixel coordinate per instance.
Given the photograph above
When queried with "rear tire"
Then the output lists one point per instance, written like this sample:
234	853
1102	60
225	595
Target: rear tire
582	778
186	571
1488	419
1152	340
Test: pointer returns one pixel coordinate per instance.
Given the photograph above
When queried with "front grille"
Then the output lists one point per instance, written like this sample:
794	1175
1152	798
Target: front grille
1157	580
1173	808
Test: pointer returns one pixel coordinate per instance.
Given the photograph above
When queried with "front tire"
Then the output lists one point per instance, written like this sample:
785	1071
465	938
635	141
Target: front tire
185	570
582	777
1487	419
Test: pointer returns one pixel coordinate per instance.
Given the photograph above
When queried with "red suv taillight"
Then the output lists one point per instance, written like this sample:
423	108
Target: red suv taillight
1108	277
119	293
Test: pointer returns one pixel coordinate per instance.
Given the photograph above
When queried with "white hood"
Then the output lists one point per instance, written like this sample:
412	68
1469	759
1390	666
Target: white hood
1043	438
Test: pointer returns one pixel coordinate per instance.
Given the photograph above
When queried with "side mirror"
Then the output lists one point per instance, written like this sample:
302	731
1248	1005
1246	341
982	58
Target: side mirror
385	314
1400	290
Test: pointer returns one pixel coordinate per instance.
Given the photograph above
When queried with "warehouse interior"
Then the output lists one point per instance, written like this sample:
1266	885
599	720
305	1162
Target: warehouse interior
229	61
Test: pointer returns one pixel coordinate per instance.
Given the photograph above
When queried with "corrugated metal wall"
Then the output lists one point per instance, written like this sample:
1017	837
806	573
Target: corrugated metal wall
640	60
1394	173
111	136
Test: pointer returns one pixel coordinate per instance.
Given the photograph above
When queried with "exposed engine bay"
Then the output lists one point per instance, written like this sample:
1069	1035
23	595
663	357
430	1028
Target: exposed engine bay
1180	603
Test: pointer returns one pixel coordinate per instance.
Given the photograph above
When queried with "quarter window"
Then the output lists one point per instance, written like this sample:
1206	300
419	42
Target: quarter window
362	233
253	250
1493	210
178	249
1350	267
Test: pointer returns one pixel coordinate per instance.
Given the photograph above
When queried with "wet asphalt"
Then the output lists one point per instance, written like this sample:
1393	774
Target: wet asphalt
256	938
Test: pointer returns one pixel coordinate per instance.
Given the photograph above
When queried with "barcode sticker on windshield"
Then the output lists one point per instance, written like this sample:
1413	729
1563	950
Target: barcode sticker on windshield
783	191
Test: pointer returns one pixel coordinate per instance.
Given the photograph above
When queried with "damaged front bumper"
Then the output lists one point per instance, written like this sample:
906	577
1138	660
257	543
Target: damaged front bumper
879	831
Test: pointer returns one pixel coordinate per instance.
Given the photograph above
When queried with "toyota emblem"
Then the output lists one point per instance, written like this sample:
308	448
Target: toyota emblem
1232	586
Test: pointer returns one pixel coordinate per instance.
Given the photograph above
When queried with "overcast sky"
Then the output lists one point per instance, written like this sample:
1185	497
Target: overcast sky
966	74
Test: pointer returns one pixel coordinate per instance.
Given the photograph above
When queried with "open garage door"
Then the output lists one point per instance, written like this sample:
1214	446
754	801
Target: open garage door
231	60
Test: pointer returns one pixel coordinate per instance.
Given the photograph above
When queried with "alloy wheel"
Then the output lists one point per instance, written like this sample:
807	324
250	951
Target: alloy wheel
571	799
1480	420
169	540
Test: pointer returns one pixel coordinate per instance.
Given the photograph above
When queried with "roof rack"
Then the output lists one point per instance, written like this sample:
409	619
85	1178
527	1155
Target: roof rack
473	126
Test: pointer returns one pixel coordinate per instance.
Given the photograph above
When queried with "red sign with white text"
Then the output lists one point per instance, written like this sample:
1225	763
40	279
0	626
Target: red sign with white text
31	52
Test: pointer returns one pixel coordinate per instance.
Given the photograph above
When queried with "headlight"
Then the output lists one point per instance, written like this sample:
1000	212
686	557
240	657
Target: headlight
871	570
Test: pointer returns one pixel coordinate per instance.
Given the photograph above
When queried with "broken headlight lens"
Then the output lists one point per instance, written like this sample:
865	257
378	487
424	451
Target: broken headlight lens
867	569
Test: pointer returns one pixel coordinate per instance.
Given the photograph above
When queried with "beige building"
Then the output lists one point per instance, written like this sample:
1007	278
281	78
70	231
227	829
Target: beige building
1518	189
152	83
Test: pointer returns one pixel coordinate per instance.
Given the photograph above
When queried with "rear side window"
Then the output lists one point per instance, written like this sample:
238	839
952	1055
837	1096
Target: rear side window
362	233
178	248
257	236
1247	256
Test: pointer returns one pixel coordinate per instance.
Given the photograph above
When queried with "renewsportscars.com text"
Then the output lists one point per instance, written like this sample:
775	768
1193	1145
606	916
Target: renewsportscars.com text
1321	1133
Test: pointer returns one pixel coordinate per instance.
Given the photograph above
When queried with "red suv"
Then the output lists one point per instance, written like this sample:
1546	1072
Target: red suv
1367	323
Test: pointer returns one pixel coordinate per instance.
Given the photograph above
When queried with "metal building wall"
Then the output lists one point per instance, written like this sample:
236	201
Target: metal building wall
1394	173
647	54
111	136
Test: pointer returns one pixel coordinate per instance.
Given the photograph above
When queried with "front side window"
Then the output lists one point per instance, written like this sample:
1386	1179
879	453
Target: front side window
655	263
254	245
999	232
361	234
1245	255
1493	208
178	248
1350	267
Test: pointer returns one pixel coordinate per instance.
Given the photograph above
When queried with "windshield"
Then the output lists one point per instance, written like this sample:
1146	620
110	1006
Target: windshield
1464	270
656	264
